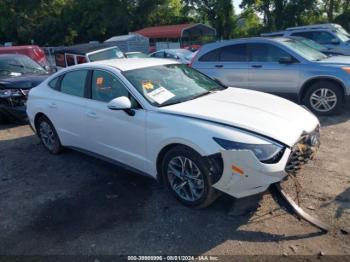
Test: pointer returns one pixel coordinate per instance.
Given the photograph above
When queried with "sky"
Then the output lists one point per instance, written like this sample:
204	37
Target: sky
236	4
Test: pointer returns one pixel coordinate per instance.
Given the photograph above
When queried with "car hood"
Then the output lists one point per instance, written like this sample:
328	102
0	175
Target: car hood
23	81
258	112
336	60
340	51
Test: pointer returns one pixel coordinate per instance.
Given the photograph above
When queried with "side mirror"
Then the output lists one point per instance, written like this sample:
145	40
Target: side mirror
335	41
121	103
286	60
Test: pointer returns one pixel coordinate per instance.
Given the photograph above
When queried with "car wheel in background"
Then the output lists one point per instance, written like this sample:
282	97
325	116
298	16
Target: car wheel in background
48	135
188	176
324	98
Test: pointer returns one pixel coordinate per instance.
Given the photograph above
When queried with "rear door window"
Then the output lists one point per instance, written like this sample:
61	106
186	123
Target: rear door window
158	55
212	56
70	60
234	53
59	59
306	34
323	37
73	83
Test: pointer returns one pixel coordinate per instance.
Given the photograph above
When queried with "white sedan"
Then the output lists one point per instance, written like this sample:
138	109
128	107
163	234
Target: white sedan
174	124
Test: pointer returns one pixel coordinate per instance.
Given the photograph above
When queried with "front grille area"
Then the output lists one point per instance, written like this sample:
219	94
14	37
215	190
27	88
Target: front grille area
303	151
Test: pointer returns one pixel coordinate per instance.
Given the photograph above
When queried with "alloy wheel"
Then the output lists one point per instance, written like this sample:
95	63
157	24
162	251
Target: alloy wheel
47	135
323	100
185	178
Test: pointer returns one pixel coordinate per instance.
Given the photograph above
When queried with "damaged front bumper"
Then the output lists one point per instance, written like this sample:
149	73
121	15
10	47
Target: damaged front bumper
244	174
13	108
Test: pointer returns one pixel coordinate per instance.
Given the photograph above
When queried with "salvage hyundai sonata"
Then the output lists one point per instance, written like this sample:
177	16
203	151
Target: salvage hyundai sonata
175	124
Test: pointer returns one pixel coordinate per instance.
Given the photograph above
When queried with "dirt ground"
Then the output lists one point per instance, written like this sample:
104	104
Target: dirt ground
75	204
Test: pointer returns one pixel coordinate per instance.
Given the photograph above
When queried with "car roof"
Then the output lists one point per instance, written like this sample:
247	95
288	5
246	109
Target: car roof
12	56
83	49
126	64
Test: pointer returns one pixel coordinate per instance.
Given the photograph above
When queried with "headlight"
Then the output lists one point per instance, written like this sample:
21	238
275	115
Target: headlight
267	153
6	93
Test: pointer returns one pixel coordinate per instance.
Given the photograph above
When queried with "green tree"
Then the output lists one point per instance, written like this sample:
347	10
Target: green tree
218	13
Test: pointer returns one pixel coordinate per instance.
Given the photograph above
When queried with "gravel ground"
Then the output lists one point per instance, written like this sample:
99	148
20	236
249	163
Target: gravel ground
75	204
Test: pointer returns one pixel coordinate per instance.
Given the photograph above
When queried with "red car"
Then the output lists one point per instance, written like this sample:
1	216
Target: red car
33	51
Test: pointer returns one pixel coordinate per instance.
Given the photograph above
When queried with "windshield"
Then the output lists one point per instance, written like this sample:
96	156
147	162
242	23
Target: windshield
304	50
344	37
111	53
136	55
18	65
170	84
313	44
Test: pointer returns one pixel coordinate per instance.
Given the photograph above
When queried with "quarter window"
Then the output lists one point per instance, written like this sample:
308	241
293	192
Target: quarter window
106	87
73	83
53	83
266	53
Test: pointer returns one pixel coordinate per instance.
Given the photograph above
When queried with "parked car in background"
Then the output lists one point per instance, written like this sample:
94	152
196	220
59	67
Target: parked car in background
325	50
282	66
33	51
166	120
179	55
18	74
135	55
84	53
329	35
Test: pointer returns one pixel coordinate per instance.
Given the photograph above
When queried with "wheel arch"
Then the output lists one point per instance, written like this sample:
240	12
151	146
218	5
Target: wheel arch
308	83
165	149
36	119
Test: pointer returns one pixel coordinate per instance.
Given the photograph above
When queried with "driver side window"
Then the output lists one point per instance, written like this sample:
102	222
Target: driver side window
105	87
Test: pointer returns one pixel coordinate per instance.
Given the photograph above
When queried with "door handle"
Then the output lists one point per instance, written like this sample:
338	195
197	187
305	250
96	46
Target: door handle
92	115
219	66
53	105
257	66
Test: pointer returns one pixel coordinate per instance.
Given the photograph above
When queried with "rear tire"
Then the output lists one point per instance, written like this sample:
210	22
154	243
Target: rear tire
324	98
189	177
48	135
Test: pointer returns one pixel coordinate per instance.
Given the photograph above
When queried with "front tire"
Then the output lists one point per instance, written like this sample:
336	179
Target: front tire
324	98
189	177
48	135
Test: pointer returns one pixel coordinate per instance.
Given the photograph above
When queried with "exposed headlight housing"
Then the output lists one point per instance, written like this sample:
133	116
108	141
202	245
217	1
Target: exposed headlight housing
7	93
267	153
346	69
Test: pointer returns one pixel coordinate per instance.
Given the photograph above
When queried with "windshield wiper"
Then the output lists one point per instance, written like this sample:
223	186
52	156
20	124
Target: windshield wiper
191	98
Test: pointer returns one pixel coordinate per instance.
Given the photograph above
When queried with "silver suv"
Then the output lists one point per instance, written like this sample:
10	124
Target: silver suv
329	35
282	66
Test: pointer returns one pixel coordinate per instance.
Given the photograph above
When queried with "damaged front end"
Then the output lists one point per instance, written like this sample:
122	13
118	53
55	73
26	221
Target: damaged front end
13	103
244	174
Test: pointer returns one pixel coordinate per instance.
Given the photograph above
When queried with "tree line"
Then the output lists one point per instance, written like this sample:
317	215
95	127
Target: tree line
58	22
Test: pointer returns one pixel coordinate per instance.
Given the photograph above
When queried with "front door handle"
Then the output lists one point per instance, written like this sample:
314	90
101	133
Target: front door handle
257	66
92	115
219	66
53	105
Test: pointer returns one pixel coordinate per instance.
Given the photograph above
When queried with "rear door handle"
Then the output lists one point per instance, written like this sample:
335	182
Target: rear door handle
257	66
219	66
92	115
52	105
